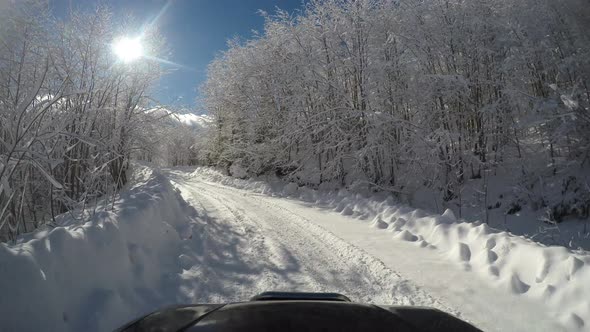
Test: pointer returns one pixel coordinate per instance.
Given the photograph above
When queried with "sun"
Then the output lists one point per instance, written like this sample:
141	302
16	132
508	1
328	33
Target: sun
128	49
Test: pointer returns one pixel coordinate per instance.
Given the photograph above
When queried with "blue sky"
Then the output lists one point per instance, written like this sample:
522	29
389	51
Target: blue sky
195	30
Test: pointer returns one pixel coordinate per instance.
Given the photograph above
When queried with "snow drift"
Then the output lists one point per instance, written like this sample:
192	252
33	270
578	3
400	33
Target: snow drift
552	274
94	276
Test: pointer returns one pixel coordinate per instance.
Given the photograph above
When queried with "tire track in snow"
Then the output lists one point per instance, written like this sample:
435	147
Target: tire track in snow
303	255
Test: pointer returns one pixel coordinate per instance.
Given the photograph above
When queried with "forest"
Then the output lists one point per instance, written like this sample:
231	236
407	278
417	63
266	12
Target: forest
439	98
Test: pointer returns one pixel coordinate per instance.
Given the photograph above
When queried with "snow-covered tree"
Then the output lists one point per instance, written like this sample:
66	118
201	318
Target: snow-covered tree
71	114
403	95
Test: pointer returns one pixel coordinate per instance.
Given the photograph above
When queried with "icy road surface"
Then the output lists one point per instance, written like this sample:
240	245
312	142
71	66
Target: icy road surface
255	243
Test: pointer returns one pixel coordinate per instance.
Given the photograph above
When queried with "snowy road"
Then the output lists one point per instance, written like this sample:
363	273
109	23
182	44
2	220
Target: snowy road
268	248
254	243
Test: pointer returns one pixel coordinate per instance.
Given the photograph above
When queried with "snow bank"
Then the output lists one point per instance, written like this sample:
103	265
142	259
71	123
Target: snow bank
551	274
97	275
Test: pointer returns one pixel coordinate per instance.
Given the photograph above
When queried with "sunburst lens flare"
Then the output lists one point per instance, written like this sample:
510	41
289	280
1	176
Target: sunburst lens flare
128	49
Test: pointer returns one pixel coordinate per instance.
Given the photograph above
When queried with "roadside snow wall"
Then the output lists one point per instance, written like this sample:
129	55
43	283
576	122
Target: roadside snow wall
94	276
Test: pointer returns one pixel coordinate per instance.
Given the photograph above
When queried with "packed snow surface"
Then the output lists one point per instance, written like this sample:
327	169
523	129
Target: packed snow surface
185	237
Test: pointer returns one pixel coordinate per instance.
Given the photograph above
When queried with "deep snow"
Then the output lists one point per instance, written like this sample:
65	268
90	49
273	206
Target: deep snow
93	276
201	239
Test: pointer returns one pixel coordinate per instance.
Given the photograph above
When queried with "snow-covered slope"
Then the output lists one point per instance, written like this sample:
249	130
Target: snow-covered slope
552	275
96	275
184	117
193	120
